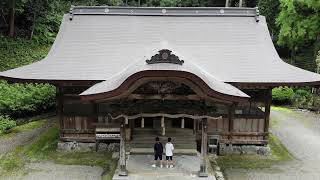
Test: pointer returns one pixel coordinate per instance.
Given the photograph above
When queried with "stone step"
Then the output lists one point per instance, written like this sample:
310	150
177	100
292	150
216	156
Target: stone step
158	133
163	142
174	143
174	130
176	151
189	146
163	137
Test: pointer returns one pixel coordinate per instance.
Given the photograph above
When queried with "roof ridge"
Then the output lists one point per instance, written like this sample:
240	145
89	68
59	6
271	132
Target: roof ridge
165	11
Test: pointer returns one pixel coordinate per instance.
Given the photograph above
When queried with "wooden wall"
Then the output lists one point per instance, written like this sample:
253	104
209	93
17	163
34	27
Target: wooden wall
248	123
80	128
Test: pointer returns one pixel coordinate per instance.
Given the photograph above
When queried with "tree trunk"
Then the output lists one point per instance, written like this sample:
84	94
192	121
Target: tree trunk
11	18
33	25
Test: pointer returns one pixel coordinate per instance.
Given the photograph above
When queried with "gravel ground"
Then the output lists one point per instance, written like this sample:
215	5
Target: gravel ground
300	133
51	171
23	138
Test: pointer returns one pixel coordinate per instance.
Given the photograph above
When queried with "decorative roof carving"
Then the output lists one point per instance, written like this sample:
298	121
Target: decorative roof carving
165	56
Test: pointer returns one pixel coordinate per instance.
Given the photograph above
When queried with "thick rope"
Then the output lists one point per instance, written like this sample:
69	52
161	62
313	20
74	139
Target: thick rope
163	115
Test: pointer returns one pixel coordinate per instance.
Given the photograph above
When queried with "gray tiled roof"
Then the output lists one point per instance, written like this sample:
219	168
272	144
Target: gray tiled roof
228	48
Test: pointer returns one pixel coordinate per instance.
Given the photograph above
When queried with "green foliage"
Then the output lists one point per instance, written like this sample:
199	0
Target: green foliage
44	149
305	59
25	99
18	52
282	95
318	61
24	128
17	100
46	144
299	22
6	124
302	98
270	9
11	162
279	155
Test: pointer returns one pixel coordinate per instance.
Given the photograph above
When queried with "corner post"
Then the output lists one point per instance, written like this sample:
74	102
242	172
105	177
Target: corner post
59	94
203	165
123	166
268	99
231	119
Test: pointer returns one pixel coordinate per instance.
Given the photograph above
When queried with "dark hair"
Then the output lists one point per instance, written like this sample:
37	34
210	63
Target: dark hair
169	139
157	138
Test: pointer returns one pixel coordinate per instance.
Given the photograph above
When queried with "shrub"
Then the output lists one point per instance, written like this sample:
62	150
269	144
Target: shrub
19	100
282	95
6	124
302	98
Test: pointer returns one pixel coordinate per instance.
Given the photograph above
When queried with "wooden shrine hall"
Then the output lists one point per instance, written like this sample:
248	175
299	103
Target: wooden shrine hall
192	74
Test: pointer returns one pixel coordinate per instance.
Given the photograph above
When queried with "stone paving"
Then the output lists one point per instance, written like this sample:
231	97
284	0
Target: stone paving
300	133
186	168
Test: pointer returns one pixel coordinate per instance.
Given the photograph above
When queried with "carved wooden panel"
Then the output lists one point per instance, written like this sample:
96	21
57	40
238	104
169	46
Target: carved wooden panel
164	87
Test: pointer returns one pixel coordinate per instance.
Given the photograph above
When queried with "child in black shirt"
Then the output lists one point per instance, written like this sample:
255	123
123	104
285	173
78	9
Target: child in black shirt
158	151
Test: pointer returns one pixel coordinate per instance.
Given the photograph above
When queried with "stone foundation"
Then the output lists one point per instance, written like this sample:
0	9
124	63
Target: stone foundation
225	149
85	147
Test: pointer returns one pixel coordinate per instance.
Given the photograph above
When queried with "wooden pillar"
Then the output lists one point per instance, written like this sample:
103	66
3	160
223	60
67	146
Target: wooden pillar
95	111
231	119
59	97
126	121
142	122
227	3
268	99
204	145
194	126
240	3
122	160
127	129
182	122
163	128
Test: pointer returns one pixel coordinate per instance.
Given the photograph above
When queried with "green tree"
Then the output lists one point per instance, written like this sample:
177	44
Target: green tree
270	9
299	22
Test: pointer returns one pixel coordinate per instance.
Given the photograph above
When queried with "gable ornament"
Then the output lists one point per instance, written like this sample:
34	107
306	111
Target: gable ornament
165	56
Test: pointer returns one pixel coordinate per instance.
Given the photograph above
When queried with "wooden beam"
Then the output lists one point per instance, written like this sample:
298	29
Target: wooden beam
238	133
80	131
238	141
78	139
163	115
165	97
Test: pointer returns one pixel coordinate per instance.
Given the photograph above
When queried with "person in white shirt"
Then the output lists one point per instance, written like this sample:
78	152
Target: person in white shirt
169	153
